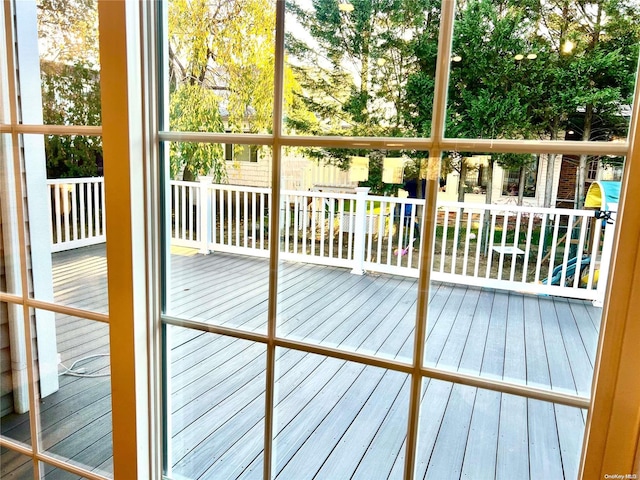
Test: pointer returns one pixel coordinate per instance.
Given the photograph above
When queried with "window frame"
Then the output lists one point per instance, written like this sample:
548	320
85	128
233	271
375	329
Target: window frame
611	439
435	144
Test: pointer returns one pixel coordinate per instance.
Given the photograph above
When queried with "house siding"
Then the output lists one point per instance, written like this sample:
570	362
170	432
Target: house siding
6	381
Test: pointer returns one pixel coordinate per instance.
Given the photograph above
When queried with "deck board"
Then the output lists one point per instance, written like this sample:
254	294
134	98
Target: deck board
332	416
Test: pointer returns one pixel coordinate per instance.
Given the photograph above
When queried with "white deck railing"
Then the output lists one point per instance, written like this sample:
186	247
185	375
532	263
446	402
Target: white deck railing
77	212
528	249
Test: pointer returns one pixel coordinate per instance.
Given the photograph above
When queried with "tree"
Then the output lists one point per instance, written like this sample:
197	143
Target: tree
70	84
71	96
532	69
221	54
488	95
353	69
589	71
193	108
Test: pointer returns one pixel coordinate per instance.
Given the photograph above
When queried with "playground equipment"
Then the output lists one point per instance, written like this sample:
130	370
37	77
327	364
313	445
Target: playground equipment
603	197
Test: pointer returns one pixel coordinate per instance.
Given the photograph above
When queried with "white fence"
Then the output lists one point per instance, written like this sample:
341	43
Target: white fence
77	212
527	249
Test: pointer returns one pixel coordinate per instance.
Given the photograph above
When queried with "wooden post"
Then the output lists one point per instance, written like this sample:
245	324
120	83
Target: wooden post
605	259
360	227
205	215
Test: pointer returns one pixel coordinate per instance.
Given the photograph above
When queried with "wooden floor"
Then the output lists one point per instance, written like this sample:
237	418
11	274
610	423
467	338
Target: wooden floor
333	419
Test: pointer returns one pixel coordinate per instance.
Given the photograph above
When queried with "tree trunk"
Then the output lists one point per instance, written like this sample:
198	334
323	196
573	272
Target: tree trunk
521	184
461	182
581	174
548	188
489	195
188	175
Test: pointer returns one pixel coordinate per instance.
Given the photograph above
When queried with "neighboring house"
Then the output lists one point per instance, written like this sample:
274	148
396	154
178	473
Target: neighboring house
251	166
505	182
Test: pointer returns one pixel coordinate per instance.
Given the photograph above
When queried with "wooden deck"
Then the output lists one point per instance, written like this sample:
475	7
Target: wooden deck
333	419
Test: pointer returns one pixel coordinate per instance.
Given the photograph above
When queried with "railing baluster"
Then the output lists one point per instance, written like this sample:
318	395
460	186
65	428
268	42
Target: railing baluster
567	248
516	245
456	236
305	225
237	219
229	200
65	207
552	258
58	212
445	235
332	227
103	218
296	222
91	187
352	223
527	249
341	217
181	228
74	211
370	221
322	228
492	232
381	225
392	208
286	215
580	251
466	243
503	242
83	190
595	252
245	220
541	245
253	220
262	217
314	215
476	267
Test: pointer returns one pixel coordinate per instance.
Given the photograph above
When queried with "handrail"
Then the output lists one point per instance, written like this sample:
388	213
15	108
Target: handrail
527	249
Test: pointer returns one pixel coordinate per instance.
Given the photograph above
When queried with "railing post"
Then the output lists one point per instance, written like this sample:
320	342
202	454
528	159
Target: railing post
605	260
204	223
360	230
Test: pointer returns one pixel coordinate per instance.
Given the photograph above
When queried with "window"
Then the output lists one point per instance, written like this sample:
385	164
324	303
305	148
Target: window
240	153
292	331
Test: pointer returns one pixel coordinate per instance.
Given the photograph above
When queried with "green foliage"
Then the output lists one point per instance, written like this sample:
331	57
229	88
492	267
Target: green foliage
71	96
193	108
68	33
73	156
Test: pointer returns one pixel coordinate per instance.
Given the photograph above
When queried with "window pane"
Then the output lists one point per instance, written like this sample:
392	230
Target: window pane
475	433
75	420
69	61
360	68
54	472
66	218
15	465
542	70
14	397
10	273
215	421
221	64
336	419
514	282
332	232
219	268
